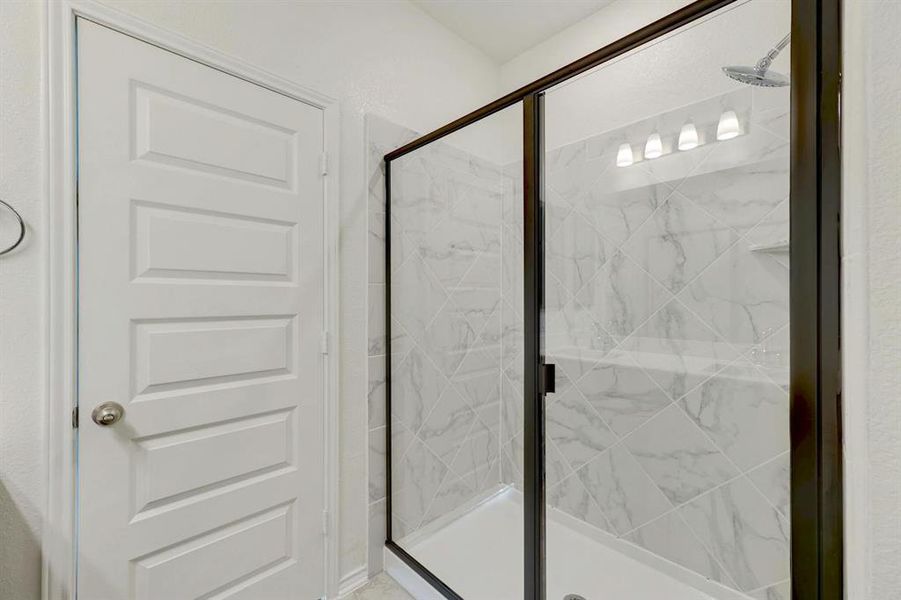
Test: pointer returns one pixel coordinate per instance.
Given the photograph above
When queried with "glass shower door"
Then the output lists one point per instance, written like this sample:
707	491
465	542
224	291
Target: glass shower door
456	359
667	316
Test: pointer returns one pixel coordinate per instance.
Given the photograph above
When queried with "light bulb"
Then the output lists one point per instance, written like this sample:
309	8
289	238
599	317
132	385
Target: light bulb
728	127
654	146
624	156
688	137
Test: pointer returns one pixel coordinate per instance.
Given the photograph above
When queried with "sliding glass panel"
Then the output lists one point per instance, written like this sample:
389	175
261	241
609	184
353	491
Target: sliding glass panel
457	364
667	309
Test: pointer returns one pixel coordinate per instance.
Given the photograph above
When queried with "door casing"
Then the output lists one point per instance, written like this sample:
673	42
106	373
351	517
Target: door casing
60	554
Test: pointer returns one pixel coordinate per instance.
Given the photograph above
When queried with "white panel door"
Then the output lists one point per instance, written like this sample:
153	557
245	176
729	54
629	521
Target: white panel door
200	312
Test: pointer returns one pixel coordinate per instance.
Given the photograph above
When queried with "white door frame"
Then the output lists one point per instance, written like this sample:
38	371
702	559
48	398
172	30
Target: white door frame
59	551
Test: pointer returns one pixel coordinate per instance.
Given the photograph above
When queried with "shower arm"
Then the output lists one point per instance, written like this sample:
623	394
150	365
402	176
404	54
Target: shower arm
763	65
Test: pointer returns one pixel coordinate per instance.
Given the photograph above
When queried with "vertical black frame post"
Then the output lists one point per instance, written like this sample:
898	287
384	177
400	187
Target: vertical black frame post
816	454
387	164
533	347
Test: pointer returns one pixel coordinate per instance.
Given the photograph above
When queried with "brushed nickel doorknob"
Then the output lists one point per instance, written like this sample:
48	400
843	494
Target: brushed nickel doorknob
107	414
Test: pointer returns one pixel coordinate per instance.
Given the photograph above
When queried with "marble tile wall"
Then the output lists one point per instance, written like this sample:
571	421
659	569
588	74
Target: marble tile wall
667	314
446	328
381	137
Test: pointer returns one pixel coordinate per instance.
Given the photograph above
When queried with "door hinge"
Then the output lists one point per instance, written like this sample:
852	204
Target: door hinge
75	418
325	522
323	163
323	342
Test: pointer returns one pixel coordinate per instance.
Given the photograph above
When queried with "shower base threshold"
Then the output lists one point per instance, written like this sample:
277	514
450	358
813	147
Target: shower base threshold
478	553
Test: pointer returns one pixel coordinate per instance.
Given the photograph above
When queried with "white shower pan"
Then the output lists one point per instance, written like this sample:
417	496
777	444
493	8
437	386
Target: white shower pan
478	553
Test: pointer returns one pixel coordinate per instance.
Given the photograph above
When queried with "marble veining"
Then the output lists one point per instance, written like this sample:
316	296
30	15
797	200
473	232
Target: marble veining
678	242
678	350
622	393
447	425
750	536
626	495
773	479
621	296
743	295
571	497
744	413
576	252
678	457
670	538
415	481
780	591
416	385
741	196
576	429
416	297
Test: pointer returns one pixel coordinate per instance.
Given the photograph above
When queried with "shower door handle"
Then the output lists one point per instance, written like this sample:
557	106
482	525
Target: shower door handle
547	378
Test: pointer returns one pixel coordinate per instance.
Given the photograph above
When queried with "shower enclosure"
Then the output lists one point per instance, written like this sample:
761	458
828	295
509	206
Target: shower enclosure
611	338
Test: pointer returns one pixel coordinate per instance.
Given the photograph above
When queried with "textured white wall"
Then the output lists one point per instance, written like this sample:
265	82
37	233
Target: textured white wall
872	297
21	304
374	56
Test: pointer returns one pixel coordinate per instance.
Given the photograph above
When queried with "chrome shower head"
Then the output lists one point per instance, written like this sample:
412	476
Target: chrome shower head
760	74
752	76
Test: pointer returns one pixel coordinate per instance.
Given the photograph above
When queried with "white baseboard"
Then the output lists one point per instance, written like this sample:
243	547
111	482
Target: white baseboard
353	581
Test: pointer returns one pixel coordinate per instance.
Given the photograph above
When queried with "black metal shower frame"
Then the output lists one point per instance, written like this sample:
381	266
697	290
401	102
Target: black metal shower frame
817	555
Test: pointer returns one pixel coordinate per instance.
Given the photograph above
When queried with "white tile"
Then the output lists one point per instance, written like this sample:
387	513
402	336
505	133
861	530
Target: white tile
576	429
622	296
377	463
677	456
677	350
576	252
747	535
742	195
479	450
377	534
415	482
376	322
416	297
743	296
678	242
669	537
453	493
571	497
447	425
376	392
744	413
622	393
416	384
626	495
773	479
618	212
780	591
376	247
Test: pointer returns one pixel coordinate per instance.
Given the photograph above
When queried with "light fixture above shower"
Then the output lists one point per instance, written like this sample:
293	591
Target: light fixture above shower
688	137
760	74
653	148
728	126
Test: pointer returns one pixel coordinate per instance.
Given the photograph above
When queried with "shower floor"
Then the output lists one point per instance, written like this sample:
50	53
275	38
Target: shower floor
479	555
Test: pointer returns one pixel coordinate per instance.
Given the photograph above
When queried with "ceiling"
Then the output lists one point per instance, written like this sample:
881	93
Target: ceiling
503	29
